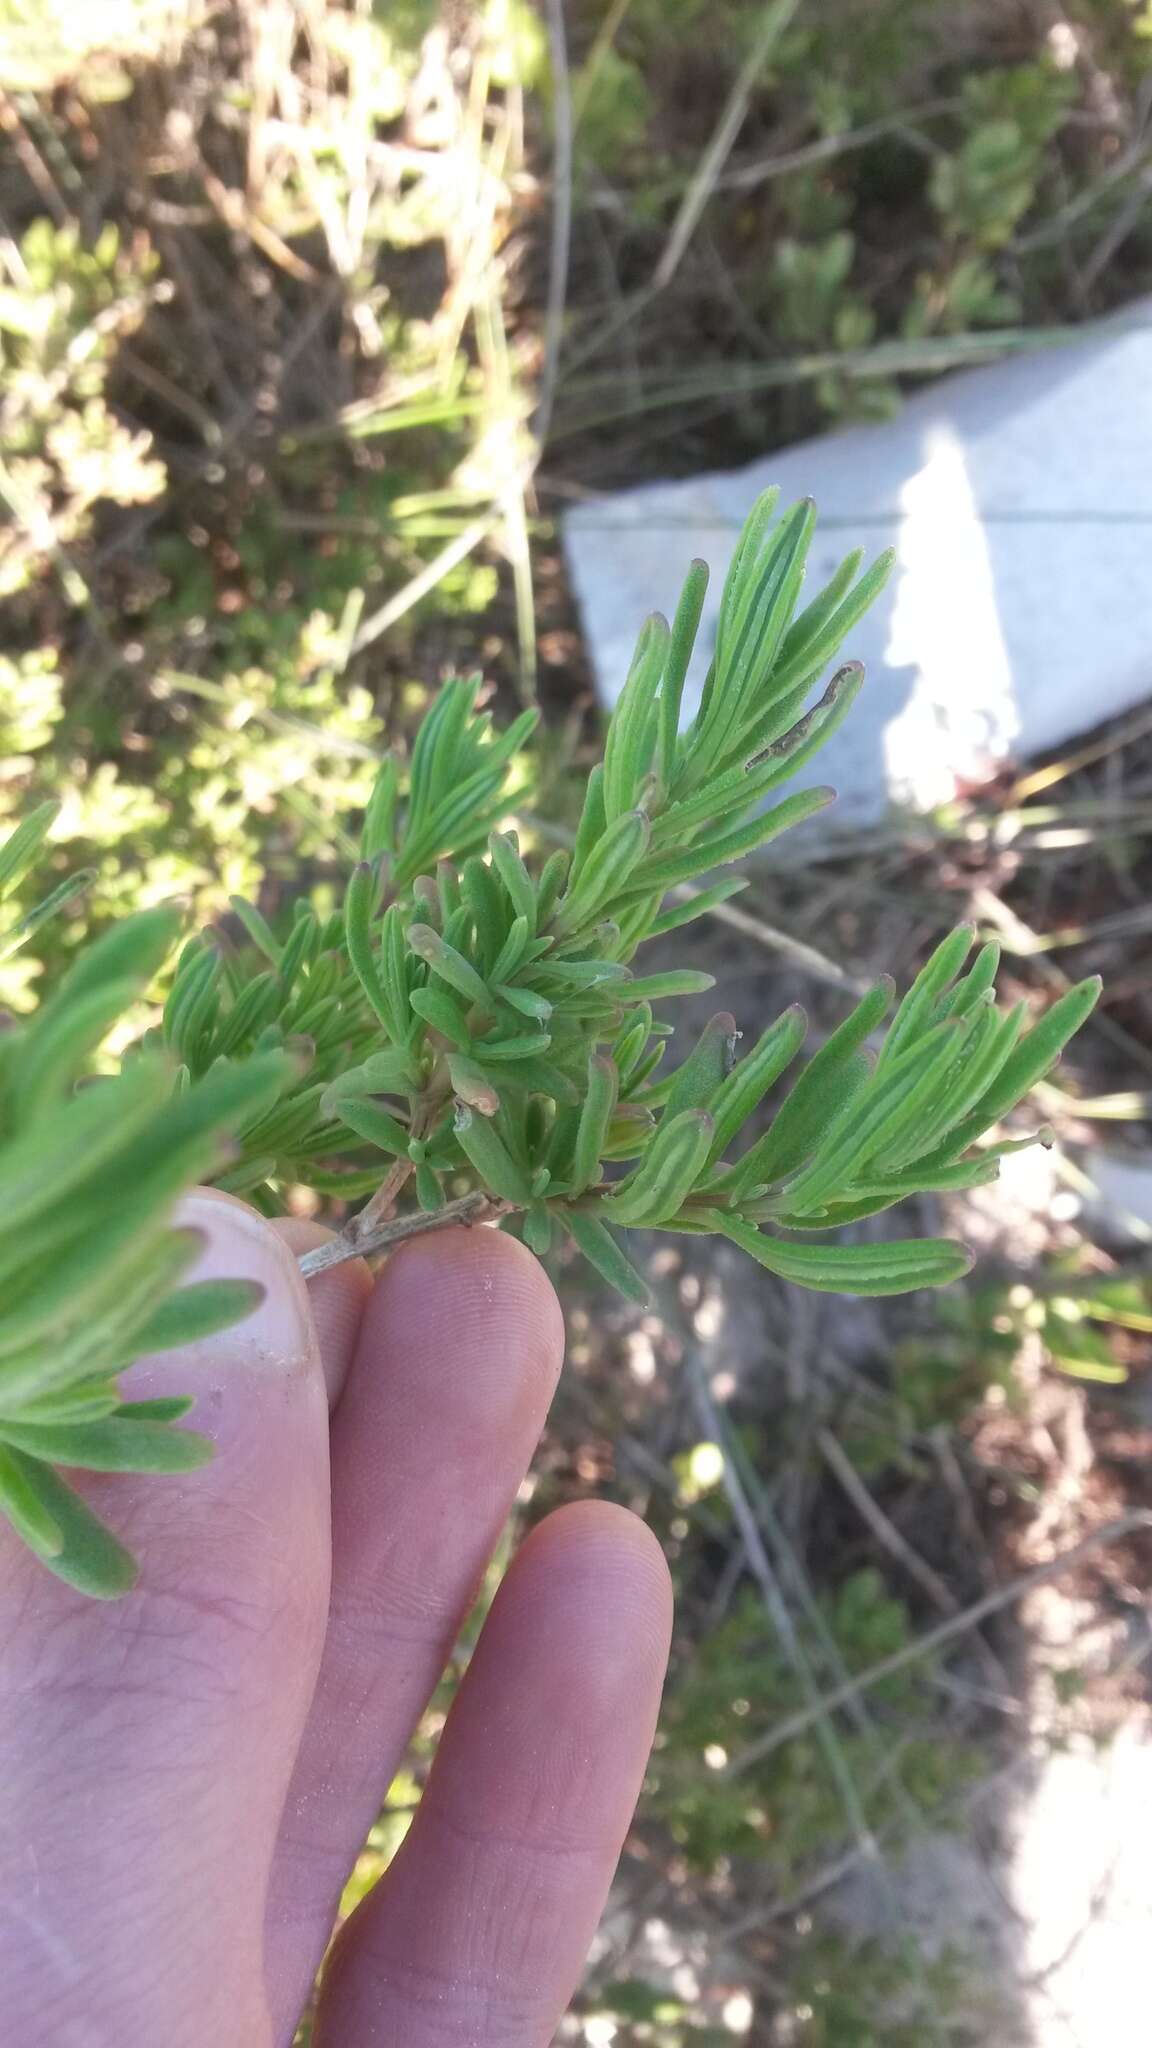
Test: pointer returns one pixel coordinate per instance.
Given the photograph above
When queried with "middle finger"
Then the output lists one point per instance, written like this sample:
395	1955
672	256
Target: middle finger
459	1351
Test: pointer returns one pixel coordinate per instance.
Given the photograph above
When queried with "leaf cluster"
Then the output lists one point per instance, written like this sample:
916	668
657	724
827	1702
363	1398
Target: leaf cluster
90	1283
472	1023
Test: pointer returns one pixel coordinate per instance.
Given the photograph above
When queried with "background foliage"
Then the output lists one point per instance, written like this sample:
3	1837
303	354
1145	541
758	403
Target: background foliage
274	339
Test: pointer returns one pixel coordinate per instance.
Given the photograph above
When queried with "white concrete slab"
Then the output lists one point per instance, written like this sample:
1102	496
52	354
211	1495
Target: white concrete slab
1019	499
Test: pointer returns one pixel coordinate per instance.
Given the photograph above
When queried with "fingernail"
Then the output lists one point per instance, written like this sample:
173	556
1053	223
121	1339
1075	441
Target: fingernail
274	1344
237	1244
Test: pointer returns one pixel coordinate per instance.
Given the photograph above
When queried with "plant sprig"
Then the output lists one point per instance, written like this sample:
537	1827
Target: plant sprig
470	1035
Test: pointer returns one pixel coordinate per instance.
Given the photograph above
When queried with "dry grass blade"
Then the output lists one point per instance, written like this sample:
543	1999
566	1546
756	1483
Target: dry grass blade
867	1847
776	19
1018	937
884	1530
936	1638
425	581
795	951
563	120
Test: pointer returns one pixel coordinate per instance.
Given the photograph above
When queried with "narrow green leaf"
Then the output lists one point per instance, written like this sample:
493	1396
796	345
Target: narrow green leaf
698	1080
626	752
593	822
757	1168
359	910
584	973
390	1072
494	1164
629	1131
303	944
751	1077
873	1199
536	1229
254	1008
668	1172
524	1046
864	1269
429	1192
73	1143
824	634
53	1051
1031	1060
246	1177
481	892
675	868
434	1006
258	929
373	1123
453	910
114	1445
472	1085
831	1077
812	620
379	830
601	1250
19	851
505	851
198	1311
596	1114
749	635
87	1556
606	872
549	888
698	904
134	950
512	953
976	985
685	627
21	1501
989	1046
678	981
526	1000
449	965
878	1118
26	927
937	974
534	1076
163	1408
632	1044
87	1400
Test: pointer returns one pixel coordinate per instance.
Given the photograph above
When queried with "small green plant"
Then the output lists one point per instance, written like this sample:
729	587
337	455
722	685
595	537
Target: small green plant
784	1813
62	310
468	1037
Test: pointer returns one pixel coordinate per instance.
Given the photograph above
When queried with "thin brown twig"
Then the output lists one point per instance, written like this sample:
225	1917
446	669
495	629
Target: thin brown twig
885	1531
793	950
382	1206
476	1207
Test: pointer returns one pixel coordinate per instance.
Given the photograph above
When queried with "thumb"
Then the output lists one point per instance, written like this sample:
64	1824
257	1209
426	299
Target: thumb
171	1718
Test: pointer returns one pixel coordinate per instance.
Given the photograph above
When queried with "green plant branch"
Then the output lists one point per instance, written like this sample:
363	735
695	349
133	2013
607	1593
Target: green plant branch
474	1019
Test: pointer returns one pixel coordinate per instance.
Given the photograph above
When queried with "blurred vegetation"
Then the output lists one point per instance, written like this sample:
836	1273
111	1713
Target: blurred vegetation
245	408
273	281
906	174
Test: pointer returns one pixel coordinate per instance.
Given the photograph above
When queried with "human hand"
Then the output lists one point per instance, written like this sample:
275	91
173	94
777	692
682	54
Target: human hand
187	1775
